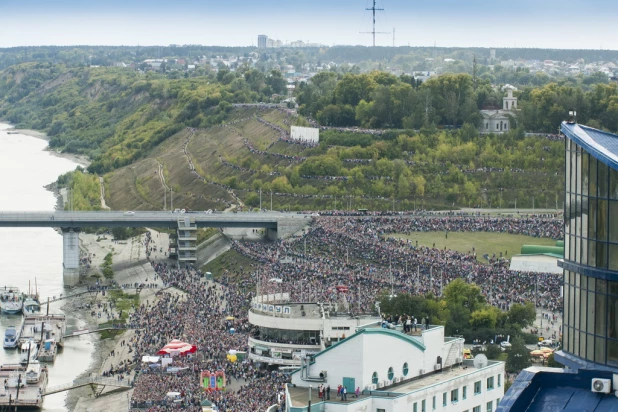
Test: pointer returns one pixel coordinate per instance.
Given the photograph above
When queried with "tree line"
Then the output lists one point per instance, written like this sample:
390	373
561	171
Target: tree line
382	100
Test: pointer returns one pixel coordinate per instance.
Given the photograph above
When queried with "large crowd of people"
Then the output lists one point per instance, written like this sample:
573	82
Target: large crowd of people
334	250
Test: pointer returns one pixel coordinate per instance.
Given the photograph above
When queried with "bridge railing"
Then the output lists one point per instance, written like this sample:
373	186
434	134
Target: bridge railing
87	381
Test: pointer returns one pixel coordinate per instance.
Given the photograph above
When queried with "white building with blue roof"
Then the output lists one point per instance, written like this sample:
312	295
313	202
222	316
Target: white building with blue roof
397	372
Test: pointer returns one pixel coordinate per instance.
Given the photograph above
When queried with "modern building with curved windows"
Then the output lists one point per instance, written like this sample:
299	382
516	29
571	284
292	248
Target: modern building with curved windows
590	319
285	331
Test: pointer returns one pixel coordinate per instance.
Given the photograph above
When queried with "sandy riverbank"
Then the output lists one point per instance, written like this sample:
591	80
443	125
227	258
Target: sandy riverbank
79	159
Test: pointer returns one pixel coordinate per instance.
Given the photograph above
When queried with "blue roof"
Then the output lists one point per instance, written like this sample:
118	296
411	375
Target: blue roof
602	145
544	389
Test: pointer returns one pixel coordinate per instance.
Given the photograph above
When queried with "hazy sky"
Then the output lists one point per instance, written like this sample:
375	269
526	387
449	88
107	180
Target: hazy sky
570	24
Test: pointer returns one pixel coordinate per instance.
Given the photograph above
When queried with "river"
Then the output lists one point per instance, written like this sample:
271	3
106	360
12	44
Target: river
29	254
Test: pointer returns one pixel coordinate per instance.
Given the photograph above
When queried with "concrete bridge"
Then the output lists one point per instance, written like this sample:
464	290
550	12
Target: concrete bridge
277	225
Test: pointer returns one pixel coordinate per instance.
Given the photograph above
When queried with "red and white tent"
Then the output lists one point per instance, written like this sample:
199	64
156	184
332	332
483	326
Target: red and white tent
177	347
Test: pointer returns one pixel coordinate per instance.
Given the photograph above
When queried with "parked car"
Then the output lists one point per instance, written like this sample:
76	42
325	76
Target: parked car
505	345
546	343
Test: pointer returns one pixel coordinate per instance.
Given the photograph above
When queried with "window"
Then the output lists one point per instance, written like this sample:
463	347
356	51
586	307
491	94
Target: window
499	380
423	406
415	407
455	395
490	406
477	388
374	378
490	383
384	410
497	402
464	392
391	374
475	409
405	369
434	401
444	399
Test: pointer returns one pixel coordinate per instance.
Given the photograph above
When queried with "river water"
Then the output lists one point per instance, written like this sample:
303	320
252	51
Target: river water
36	253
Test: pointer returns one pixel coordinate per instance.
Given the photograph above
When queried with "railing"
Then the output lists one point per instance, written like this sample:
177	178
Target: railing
78	383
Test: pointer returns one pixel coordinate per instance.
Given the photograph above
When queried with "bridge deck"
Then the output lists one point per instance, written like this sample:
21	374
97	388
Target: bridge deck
144	219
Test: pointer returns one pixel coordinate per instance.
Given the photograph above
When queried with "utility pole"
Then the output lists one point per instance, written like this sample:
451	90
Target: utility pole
391	269
164	199
374	32
260	200
271	200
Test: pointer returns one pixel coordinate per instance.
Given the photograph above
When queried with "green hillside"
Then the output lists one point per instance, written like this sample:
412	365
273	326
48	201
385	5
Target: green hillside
154	138
432	169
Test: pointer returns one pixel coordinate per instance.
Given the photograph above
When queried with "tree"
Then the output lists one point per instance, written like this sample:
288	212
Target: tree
403	187
521	316
518	356
276	82
464	294
493	352
484	318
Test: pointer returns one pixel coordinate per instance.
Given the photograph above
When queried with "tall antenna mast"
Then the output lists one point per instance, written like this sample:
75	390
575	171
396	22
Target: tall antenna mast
374	32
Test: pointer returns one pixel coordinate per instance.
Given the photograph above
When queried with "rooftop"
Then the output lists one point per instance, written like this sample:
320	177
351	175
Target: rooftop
300	396
602	145
538	389
435	378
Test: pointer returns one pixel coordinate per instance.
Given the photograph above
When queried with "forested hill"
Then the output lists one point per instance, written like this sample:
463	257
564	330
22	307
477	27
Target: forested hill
185	135
116	115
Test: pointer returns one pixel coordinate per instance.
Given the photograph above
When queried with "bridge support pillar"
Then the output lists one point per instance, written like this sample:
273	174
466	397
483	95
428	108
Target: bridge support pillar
70	256
272	234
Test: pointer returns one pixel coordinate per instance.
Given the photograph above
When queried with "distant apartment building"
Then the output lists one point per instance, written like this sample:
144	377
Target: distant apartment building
262	41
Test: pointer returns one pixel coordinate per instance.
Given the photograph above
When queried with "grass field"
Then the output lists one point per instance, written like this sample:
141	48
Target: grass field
483	242
232	261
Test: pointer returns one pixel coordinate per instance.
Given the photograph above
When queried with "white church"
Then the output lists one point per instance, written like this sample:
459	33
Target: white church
498	121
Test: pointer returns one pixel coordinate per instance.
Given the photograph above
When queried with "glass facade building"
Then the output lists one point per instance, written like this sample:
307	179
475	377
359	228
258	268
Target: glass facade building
590	328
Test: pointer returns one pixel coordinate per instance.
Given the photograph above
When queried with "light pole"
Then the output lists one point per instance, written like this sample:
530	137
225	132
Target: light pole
309	404
271	200
260	199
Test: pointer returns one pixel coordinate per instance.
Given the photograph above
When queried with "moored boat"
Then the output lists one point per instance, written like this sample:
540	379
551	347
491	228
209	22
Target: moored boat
28	349
11	301
11	337
31	306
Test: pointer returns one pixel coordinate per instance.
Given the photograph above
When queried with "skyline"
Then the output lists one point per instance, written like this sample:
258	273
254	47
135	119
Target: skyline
445	23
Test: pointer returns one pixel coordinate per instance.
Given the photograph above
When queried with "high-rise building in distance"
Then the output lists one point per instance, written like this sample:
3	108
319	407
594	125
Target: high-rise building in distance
262	41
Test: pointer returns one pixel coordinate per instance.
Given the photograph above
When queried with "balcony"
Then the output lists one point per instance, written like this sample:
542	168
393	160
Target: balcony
271	345
274	361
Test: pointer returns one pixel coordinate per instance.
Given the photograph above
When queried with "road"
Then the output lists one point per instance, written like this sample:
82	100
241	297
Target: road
146	219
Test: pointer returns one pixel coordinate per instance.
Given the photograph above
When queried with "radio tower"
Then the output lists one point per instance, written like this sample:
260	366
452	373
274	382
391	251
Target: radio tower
374	32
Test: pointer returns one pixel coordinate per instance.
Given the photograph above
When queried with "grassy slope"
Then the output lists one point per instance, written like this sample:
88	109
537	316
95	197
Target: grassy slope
484	242
231	261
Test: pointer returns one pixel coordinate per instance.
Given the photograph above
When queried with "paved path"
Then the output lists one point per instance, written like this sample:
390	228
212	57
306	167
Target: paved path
102	184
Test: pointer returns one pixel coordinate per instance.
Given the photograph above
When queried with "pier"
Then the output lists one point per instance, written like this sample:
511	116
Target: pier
19	391
41	328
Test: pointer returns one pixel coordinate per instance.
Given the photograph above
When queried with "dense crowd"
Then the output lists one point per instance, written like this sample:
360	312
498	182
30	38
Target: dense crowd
335	250
201	314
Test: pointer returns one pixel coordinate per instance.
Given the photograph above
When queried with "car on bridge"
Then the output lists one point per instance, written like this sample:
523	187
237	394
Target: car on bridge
129	212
